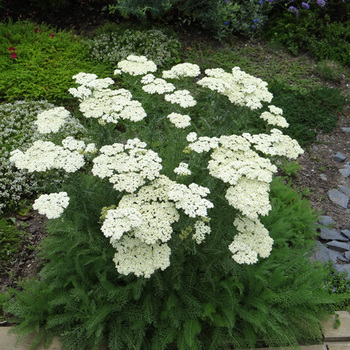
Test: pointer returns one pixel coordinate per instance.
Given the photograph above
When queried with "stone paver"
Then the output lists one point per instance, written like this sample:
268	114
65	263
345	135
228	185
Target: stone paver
340	334
338	346
9	341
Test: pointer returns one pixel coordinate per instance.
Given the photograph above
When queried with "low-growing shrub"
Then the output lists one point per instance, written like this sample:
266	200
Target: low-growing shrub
169	230
330	70
38	62
115	44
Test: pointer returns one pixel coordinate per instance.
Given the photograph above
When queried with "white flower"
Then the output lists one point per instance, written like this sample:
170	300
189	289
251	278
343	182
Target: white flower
52	205
90	148
250	197
52	120
252	240
182	170
182	98
182	70
240	87
179	120
158	86
117	72
274	117
191	137
190	199
72	144
201	231
139	258
204	144
137	65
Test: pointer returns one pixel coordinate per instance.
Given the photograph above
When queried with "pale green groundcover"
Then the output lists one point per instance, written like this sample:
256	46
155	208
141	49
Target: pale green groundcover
140	225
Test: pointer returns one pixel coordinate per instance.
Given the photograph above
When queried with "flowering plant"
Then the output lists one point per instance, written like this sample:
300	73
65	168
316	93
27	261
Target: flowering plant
157	192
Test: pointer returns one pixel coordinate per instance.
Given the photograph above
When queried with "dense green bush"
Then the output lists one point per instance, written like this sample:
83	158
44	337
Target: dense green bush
321	31
115	42
221	18
38	62
211	290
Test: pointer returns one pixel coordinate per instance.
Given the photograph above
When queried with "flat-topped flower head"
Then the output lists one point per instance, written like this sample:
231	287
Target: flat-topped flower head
51	120
182	70
179	120
51	205
181	97
182	170
137	65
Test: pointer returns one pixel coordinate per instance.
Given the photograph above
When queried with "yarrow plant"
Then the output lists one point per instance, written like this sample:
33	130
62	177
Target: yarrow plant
168	179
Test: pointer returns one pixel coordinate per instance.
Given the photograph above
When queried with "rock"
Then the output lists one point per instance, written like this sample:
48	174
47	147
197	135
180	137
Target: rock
344	189
346	129
338	197
345	171
326	220
343	268
335	256
330	234
315	148
338	246
346	233
323	177
320	253
339	157
347	255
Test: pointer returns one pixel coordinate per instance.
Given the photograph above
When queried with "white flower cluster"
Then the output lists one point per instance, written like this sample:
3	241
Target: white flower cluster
181	97
179	120
201	231
140	227
45	155
182	70
139	258
88	83
127	166
182	170
153	85
136	65
250	197
109	106
52	205
274	117
190	199
72	144
240	88
203	143
252	240
275	144
51	120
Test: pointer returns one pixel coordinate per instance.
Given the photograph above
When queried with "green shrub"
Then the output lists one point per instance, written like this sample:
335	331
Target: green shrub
308	112
46	61
116	43
115	281
221	18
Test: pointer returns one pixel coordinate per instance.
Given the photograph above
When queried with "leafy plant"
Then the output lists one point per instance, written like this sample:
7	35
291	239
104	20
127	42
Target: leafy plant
154	181
330	70
115	43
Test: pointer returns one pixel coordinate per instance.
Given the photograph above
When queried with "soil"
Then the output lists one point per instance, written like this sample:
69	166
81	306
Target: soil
316	160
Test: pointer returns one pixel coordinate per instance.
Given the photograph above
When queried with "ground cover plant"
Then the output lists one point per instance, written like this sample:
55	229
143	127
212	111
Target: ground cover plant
151	221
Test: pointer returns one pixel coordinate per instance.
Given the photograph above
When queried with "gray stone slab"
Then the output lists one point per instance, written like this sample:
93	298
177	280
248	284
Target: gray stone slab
336	256
346	233
339	157
337	345
342	333
320	253
345	172
338	246
347	255
338	197
331	234
325	220
344	189
346	129
343	268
